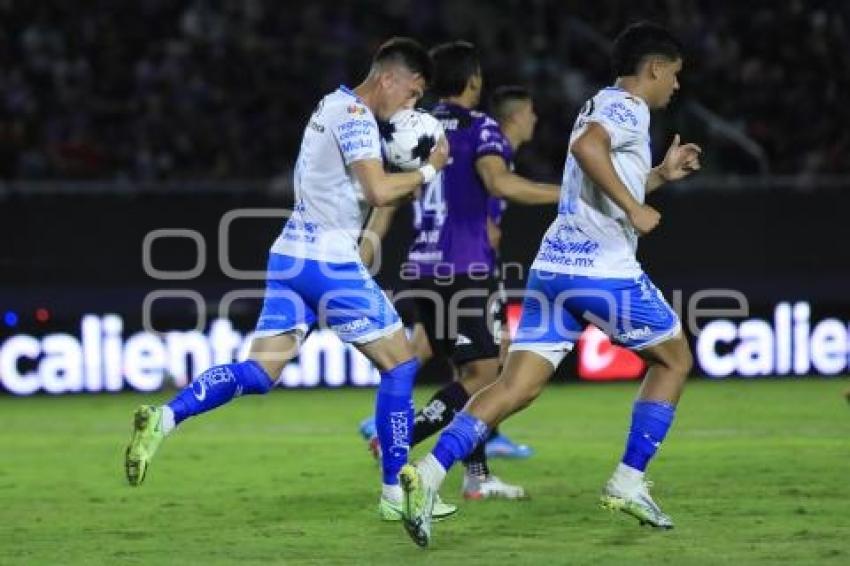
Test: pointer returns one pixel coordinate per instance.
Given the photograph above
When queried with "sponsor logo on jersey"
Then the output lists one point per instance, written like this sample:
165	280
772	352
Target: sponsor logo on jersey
548	256
356	110
353	134
618	112
356	123
561	244
355	144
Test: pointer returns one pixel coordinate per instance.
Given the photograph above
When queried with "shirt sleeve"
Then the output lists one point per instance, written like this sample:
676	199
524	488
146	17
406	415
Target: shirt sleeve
622	119
356	133
491	141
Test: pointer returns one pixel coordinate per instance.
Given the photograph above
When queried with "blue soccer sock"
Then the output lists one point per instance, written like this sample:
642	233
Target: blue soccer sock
217	386
459	439
394	417
650	422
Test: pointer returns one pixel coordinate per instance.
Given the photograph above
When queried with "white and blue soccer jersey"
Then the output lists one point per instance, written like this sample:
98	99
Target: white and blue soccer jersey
591	235
586	269
327	218
314	269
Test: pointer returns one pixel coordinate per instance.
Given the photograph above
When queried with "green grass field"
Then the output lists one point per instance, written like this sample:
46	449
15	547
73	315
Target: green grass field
753	472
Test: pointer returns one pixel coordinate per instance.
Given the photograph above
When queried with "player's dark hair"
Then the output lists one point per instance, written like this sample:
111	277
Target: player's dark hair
454	63
641	40
504	96
409	53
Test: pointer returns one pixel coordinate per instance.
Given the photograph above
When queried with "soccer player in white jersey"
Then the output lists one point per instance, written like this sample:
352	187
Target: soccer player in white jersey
314	271
586	270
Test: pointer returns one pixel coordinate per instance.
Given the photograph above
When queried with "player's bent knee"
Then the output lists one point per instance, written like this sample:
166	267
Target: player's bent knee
674	355
681	359
273	352
389	351
420	344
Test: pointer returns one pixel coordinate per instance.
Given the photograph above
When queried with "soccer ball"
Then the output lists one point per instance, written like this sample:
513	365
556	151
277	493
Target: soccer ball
409	137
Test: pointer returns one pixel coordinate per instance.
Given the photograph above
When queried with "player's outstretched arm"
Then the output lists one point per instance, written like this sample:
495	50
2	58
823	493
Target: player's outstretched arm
386	189
679	162
502	183
376	228
592	150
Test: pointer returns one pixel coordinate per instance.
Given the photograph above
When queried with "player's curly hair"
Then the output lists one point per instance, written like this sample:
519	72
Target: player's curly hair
639	41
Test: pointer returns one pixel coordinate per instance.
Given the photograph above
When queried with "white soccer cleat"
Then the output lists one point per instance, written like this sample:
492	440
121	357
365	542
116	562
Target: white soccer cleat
490	487
636	502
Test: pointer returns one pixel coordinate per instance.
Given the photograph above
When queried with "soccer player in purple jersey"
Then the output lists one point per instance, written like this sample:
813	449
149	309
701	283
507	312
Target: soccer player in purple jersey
586	269
451	262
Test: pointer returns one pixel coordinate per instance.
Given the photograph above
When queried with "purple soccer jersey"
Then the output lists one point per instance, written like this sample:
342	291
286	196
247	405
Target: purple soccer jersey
496	209
450	216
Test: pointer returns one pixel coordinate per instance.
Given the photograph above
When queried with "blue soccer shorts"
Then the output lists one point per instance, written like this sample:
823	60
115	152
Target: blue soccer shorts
340	296
557	307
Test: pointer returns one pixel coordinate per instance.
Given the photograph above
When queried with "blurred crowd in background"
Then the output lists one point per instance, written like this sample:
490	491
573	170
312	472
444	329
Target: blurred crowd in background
220	89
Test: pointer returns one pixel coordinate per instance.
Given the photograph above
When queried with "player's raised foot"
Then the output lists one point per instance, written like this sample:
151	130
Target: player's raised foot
500	446
417	506
490	487
147	435
391	510
635	502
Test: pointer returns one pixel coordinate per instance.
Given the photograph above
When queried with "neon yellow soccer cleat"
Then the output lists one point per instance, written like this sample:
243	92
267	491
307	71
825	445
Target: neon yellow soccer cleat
147	435
392	511
418	505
